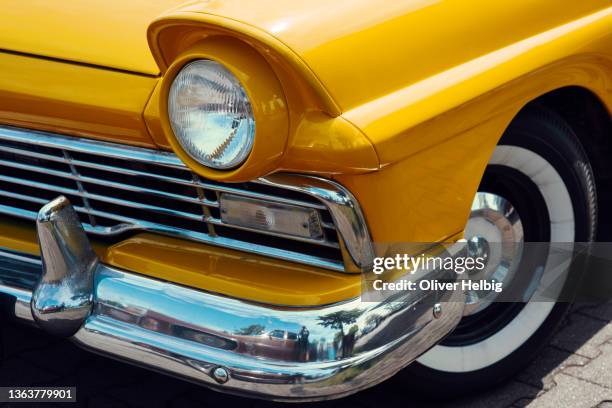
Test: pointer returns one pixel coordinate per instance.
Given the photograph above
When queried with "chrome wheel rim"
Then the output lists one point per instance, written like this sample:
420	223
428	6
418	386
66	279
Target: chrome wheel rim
493	232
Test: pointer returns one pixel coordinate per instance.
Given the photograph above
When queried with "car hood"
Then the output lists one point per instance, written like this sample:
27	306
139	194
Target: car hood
387	45
114	33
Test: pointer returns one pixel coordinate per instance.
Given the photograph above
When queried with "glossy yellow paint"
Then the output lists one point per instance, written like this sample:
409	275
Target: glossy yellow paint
382	47
316	142
574	48
109	34
175	31
74	99
402	102
432	170
233	273
430	193
323	145
218	270
20	236
400	64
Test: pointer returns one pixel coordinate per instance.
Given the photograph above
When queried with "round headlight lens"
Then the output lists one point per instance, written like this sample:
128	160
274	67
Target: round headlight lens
211	115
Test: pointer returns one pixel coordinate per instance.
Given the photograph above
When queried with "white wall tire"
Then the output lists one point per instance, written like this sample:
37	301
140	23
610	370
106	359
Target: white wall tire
559	204
544	150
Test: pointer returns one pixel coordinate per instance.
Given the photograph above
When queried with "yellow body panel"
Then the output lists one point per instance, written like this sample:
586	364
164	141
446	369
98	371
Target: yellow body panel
582	42
382	47
72	99
402	102
233	273
210	268
110	33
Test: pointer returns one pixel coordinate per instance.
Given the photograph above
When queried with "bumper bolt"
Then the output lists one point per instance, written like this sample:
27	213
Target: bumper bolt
220	375
437	310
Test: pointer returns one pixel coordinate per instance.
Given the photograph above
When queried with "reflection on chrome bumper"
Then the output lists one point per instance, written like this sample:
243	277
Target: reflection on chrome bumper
282	353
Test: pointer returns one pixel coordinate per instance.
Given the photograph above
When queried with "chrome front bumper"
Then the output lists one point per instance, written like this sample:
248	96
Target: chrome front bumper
265	351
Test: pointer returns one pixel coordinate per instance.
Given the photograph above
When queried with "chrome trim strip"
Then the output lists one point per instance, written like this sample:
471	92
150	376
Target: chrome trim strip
92	196
129	224
85	179
18	276
99	148
344	209
126	155
299	354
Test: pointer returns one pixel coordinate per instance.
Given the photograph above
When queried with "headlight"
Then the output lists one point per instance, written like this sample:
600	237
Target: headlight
211	115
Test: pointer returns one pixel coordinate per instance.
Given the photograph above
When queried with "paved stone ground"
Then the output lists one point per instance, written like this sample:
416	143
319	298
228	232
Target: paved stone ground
574	371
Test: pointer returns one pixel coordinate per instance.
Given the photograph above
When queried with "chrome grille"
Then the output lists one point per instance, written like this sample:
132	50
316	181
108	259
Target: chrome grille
117	189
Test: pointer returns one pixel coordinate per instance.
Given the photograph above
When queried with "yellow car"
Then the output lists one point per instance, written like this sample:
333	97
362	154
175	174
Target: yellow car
204	187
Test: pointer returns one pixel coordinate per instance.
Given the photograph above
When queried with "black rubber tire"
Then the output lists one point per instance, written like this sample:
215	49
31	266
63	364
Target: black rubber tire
547	134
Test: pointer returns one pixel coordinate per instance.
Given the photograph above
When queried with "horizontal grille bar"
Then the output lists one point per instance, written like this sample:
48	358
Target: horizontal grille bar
95	181
116	189
126	171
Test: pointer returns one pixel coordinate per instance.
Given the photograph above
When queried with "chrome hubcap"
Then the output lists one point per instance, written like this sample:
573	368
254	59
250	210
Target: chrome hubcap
494	232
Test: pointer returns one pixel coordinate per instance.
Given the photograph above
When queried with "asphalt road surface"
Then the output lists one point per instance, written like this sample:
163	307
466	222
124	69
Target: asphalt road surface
574	371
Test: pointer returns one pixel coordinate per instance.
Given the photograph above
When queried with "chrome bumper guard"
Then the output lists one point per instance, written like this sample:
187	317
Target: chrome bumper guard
264	351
